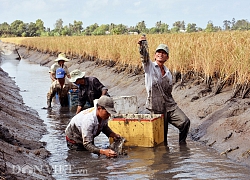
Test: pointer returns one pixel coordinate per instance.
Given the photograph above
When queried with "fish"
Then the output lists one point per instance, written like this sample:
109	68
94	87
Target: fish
117	146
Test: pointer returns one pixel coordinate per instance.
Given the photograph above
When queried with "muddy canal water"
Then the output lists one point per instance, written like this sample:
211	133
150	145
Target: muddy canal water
162	162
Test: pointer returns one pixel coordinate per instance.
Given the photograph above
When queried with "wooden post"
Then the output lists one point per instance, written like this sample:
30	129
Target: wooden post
19	57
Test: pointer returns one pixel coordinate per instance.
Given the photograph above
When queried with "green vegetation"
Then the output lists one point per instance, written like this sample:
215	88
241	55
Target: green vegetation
20	29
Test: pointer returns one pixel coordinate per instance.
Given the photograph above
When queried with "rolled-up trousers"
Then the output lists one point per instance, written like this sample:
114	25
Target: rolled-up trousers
179	120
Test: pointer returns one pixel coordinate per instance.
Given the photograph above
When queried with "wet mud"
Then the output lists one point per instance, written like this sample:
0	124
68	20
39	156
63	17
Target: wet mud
20	132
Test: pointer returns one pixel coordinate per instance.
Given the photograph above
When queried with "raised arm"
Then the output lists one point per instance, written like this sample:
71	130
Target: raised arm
143	49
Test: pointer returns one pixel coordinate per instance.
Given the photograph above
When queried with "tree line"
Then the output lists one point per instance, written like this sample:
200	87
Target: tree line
20	29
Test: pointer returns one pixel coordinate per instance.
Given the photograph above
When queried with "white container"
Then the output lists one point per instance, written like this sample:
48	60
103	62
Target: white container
126	104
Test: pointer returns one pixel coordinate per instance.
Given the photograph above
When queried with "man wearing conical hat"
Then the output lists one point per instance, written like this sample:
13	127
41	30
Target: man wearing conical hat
59	63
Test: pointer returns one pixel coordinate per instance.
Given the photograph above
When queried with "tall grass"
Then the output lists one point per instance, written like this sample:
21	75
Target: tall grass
224	54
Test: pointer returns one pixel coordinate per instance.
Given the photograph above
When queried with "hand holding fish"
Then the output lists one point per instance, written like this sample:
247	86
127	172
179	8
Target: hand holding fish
143	48
141	39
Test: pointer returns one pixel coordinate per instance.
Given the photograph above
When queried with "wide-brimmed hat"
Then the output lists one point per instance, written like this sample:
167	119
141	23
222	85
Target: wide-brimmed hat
108	103
61	57
60	73
163	47
76	74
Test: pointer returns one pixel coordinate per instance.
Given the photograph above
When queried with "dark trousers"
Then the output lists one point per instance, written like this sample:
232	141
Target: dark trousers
64	101
179	120
75	146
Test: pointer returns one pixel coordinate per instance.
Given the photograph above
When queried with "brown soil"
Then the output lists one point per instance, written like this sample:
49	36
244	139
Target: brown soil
216	121
20	132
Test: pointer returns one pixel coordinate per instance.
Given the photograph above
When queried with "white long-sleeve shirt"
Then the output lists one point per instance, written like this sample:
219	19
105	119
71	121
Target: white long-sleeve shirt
84	126
159	88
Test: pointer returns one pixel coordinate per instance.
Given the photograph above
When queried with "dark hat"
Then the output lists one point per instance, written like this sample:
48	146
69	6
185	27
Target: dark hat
108	103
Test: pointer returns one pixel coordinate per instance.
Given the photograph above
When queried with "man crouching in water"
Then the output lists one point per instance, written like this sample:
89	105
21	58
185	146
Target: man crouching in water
86	125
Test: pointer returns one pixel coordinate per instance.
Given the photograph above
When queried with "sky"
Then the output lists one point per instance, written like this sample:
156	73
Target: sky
126	12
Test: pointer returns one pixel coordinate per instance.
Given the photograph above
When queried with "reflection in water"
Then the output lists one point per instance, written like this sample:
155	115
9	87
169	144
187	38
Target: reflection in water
162	162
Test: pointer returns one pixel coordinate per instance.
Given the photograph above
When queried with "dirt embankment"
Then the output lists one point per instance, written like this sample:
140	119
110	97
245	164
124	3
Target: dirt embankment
216	121
22	155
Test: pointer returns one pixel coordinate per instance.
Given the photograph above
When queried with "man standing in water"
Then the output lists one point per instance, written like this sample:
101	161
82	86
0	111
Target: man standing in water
59	63
159	85
90	88
61	86
86	125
